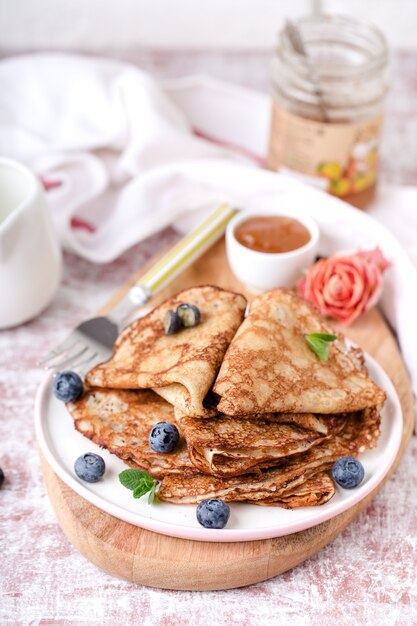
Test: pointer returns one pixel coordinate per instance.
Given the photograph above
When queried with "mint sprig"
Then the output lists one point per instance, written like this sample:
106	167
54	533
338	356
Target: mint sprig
152	494
139	482
319	344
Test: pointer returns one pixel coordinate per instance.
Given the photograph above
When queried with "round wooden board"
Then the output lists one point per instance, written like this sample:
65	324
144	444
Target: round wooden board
156	560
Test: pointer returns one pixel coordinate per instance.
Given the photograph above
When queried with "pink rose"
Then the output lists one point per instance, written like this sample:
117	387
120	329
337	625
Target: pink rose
345	286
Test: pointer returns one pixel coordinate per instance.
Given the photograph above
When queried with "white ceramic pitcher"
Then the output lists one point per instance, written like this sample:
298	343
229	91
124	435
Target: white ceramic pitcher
30	256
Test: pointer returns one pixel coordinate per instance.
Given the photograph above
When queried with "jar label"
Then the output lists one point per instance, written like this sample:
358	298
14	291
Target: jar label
340	158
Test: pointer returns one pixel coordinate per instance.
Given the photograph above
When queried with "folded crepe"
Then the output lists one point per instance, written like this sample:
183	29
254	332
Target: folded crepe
313	492
288	484
121	421
180	367
230	446
269	367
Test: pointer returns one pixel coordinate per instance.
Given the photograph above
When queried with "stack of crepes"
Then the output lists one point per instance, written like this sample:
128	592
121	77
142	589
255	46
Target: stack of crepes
262	419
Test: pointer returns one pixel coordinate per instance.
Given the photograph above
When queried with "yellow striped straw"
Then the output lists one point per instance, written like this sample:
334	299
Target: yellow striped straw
183	254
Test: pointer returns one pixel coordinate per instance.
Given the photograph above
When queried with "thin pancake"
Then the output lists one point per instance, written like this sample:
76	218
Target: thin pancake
229	446
361	432
180	367
313	492
269	367
121	421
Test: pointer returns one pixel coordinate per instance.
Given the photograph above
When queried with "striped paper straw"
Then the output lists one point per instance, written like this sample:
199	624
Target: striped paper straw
182	254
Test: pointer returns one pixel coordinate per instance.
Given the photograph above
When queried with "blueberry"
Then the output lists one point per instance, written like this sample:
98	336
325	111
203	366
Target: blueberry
1	477
163	437
348	472
89	467
189	314
172	323
213	513
67	386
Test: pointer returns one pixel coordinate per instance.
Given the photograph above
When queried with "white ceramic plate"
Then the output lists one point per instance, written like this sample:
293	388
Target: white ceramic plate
61	445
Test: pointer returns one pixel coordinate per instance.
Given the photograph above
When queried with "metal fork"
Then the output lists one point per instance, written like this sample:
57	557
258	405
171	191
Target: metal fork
93	340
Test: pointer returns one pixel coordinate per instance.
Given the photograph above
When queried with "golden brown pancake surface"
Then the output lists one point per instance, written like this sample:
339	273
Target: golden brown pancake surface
361	432
269	367
228	446
180	367
121	421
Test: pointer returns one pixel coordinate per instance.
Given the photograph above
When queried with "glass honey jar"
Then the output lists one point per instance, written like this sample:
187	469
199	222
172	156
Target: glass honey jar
328	104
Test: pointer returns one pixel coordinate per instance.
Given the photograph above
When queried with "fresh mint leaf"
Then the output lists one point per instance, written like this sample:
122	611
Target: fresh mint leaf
319	344
140	491
152	494
132	478
139	482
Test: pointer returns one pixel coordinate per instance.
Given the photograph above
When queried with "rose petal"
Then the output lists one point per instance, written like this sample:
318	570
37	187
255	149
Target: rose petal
376	257
338	290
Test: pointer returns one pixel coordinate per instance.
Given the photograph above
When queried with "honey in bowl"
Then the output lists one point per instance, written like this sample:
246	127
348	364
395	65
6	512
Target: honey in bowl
272	234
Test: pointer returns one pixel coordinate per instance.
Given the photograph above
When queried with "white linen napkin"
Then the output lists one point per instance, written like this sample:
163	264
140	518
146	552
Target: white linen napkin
123	157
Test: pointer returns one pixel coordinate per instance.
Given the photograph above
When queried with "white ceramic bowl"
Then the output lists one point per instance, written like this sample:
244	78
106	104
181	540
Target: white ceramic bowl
260	271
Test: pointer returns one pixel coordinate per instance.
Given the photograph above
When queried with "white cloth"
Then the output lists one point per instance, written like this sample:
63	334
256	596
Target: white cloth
130	157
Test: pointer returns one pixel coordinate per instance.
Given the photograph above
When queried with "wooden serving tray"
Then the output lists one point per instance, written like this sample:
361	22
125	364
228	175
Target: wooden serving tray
156	560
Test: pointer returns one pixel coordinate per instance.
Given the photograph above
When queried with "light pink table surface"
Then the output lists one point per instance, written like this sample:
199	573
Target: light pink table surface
366	576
